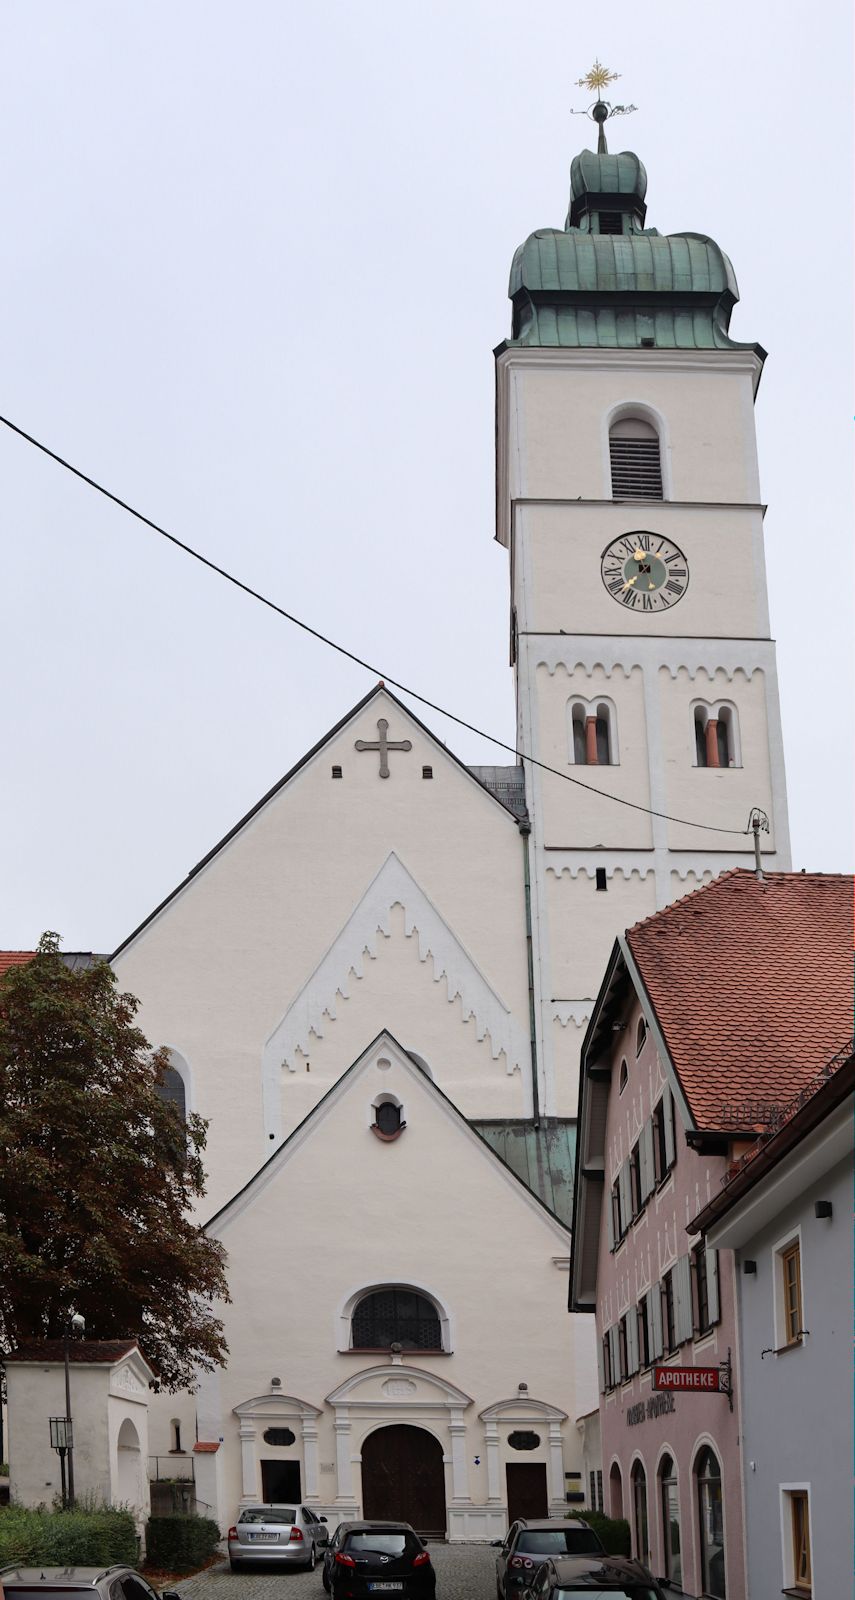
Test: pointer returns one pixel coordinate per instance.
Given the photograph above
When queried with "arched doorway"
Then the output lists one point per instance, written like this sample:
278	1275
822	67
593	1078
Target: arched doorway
615	1491
403	1476
129	1466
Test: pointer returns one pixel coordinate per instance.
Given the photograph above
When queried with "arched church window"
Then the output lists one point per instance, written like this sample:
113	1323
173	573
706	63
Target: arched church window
635	460
396	1316
172	1092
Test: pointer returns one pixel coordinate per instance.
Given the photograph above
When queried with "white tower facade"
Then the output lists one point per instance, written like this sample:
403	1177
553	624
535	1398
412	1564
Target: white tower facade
628	496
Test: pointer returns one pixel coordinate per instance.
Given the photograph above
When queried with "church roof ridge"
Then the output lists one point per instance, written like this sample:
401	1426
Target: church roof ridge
378	688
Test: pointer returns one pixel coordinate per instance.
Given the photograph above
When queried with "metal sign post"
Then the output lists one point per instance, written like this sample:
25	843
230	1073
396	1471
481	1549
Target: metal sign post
697	1380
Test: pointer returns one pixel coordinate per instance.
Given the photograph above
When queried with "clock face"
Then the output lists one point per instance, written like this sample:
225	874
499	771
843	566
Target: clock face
645	572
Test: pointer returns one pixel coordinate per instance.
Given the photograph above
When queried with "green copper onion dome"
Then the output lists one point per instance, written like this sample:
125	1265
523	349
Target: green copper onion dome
606	281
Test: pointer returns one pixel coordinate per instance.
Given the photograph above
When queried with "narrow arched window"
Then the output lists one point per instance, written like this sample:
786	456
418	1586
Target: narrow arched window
396	1316
715	736
579	741
640	1036
172	1093
635	460
670	1503
624	1077
603	737
700	738
639	1506
615	1491
711	1524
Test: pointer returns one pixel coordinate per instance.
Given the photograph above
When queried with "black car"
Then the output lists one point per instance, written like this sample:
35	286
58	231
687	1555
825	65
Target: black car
378	1558
598	1577
527	1544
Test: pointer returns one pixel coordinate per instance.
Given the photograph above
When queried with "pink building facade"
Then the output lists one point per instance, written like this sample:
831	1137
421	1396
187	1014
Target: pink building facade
690	1047
671	1462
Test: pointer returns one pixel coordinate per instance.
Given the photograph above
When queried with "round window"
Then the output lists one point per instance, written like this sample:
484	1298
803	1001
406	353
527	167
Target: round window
523	1441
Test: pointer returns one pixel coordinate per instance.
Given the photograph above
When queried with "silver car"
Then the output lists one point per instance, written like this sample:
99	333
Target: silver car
290	1534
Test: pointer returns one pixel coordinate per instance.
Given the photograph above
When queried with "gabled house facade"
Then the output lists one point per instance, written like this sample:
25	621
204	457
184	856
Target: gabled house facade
689	1027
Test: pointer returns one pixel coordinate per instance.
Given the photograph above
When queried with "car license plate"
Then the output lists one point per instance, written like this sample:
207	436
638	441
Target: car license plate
373	1586
265	1538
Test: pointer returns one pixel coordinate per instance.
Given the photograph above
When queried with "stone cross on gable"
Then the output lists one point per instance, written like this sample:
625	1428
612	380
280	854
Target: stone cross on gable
384	745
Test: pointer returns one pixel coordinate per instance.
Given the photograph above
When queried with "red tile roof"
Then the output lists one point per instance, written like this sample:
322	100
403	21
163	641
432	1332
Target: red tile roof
204	1447
14	958
92	1351
751	983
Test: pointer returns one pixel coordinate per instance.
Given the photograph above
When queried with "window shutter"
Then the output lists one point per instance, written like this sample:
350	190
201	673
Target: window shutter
614	1343
610	1227
668	1115
601	1366
654	1320
636	467
713	1299
683	1320
625	1197
645	1157
632	1340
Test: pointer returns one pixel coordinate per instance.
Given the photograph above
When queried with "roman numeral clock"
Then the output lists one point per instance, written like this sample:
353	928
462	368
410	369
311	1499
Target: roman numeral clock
644	572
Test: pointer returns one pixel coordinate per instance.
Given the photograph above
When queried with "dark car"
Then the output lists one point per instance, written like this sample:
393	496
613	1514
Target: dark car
368	1558
527	1544
600	1578
77	1583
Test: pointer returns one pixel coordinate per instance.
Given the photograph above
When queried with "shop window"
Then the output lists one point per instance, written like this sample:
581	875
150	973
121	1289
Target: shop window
670	1502
711	1524
641	1531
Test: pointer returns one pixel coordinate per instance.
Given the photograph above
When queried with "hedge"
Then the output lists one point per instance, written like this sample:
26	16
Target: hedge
613	1531
179	1543
86	1537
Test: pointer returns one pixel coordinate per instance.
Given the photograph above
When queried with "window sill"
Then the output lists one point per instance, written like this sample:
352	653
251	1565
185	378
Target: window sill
405	1355
783	1350
800	1594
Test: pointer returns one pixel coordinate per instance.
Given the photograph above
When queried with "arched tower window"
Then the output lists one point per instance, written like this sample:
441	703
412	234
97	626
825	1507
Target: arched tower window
716	736
635	460
594	741
384	1317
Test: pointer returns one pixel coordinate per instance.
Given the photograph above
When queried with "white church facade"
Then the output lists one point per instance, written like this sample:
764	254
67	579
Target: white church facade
375	987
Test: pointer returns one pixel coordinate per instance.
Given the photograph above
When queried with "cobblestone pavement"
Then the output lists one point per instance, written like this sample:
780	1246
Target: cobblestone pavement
463	1572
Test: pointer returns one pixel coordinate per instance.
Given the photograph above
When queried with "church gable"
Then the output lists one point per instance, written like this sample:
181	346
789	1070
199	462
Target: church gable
437	1162
397	958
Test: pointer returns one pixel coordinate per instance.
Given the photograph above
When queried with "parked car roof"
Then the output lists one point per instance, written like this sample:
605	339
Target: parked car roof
84	1576
615	1569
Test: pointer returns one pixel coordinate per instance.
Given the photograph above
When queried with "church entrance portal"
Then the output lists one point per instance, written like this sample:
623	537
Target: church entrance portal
280	1483
527	1492
403	1476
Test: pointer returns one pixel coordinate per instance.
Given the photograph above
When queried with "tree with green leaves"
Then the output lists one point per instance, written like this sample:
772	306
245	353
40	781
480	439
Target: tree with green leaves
98	1175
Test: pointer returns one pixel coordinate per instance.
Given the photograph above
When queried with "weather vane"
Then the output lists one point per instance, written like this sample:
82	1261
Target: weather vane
596	80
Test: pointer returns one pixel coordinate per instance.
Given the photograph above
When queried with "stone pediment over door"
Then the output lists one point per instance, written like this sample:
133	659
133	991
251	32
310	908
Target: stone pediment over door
265	1411
394	1393
394	1384
314	1008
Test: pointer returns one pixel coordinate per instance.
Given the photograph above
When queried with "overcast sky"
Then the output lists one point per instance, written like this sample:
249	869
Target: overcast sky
254	264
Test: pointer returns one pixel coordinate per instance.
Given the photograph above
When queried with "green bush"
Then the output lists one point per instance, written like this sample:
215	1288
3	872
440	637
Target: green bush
86	1537
613	1531
180	1543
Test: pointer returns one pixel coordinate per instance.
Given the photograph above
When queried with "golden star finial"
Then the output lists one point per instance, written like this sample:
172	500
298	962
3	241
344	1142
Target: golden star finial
598	78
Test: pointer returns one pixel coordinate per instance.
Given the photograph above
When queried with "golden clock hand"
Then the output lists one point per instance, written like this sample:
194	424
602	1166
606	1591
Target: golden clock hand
630	581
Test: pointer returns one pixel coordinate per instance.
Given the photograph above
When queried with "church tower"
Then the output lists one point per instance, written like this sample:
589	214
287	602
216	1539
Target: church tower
628	497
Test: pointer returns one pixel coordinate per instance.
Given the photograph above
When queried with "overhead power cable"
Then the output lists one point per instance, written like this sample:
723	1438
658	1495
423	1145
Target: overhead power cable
618	800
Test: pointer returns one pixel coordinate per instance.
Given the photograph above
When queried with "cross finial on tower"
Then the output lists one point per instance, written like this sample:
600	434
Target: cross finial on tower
597	79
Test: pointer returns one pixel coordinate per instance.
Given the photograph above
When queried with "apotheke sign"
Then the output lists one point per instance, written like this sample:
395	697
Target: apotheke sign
707	1379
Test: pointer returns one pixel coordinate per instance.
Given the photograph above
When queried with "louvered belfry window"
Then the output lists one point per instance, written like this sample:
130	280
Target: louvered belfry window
635	460
396	1316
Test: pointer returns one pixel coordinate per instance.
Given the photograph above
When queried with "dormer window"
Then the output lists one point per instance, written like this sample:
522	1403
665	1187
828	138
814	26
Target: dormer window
635	460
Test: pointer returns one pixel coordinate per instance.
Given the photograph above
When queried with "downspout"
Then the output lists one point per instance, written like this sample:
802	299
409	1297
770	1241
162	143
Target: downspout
525	830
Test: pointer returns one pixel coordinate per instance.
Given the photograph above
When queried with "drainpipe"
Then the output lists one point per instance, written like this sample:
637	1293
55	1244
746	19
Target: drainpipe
525	830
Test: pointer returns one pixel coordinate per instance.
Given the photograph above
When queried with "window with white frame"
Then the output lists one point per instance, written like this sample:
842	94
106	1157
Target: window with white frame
788	1292
716	729
635	460
798	1576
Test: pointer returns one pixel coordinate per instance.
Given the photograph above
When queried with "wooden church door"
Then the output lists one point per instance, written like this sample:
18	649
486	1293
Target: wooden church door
527	1492
403	1477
